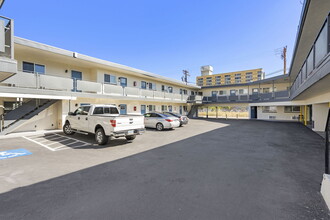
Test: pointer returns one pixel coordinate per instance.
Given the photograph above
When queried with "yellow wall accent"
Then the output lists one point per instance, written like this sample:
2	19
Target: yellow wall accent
305	115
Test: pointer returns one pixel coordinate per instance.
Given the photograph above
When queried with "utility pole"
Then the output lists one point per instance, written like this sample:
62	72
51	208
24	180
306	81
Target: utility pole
184	78
283	56
282	52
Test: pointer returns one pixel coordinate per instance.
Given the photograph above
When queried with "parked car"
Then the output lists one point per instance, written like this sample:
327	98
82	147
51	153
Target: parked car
160	121
183	119
104	121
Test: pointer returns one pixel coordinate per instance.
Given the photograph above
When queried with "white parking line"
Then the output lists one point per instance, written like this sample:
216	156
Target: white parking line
57	139
49	148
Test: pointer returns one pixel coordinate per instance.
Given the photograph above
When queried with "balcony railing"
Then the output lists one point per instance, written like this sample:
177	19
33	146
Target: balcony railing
256	97
56	83
317	55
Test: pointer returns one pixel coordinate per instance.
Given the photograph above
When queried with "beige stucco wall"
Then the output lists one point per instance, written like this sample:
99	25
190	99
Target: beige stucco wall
320	113
280	115
45	120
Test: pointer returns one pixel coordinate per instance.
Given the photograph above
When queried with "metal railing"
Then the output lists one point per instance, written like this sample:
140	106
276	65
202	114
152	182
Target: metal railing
254	97
316	56
56	83
7	41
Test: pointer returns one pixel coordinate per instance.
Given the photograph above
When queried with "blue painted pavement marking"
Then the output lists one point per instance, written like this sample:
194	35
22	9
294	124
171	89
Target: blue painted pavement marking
13	153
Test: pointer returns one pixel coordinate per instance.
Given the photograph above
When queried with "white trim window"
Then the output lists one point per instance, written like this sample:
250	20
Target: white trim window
110	79
292	109
269	109
33	68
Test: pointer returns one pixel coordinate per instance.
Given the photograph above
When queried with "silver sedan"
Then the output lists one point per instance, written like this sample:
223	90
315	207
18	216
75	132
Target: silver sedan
160	121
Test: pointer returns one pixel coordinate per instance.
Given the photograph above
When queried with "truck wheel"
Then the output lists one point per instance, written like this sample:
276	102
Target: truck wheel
159	126
130	138
100	137
67	129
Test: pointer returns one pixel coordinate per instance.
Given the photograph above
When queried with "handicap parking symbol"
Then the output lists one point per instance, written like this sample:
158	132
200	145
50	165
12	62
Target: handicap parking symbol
13	153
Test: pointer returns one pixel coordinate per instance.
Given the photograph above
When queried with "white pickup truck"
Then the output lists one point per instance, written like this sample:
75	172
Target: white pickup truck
104	121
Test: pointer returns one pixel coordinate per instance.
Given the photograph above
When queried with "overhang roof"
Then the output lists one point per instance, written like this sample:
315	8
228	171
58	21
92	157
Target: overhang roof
312	18
85	60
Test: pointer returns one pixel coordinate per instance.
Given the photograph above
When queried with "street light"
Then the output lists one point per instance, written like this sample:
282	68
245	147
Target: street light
1	3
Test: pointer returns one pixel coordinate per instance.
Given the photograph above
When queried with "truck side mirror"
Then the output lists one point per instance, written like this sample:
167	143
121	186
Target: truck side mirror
70	113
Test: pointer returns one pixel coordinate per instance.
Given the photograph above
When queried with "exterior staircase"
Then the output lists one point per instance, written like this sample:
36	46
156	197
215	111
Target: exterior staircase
193	111
20	115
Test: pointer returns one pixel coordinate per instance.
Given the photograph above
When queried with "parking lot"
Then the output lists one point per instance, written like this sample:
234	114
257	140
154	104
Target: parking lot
56	154
210	169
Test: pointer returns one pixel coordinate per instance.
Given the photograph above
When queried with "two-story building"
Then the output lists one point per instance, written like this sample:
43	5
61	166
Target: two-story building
41	84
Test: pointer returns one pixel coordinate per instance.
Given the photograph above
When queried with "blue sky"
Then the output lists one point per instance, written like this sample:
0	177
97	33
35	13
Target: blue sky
164	37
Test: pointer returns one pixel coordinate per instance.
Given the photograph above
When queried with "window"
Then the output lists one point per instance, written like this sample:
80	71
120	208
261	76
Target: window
260	77
83	110
255	91
163	88
164	108
242	91
152	86
214	93
200	81
170	89
227	79
33	68
151	108
185	92
233	92
218	80
209	81
170	108
222	92
110	110
248	76
292	109
98	110
143	85
265	90
110	79
269	109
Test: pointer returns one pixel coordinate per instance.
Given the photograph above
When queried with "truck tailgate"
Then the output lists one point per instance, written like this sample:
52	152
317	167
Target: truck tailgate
129	122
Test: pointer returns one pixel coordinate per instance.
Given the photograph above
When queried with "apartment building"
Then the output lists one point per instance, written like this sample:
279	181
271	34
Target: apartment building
40	84
302	95
207	77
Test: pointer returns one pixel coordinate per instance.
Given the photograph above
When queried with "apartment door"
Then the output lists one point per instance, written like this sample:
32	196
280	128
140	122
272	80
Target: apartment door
123	109
143	109
254	112
75	75
123	81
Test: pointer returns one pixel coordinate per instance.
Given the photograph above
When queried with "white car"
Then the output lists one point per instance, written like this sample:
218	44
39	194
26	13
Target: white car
104	121
160	121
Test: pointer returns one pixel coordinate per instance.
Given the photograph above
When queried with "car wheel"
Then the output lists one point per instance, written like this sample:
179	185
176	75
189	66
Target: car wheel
159	126
100	137
67	129
130	138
